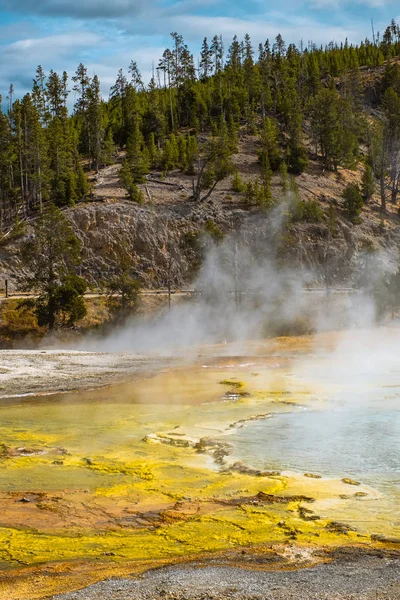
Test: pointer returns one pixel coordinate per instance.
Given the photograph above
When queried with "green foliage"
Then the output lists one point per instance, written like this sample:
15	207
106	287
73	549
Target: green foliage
306	210
333	128
368	185
312	211
182	152
237	183
82	184
284	176
128	181
122	287
137	155
292	90
51	257
258	194
170	155
214	163
303	210
68	303
353	201
297	159
154	154
213	231
270	155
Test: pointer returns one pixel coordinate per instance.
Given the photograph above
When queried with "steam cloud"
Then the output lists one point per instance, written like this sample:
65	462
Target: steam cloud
247	293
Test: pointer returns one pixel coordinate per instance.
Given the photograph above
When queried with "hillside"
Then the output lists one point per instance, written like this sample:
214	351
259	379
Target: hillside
262	148
169	225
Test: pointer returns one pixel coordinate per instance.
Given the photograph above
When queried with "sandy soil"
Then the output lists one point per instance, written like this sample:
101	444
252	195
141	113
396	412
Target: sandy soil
28	372
108	185
353	576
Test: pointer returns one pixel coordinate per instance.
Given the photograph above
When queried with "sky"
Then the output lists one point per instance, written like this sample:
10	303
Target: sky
107	34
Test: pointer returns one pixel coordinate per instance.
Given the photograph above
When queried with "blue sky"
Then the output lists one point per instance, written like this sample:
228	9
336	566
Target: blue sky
107	34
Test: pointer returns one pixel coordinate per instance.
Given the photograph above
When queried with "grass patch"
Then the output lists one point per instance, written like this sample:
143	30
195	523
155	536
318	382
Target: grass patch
17	323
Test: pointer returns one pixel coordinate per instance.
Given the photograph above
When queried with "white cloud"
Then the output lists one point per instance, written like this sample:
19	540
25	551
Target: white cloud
126	30
339	4
52	45
18	60
293	32
88	9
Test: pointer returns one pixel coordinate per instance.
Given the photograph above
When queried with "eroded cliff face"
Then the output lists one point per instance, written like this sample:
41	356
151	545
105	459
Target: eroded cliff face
169	243
350	257
168	236
165	244
150	237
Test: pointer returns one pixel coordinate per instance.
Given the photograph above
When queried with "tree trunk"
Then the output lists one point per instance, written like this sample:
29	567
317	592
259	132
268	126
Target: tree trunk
210	191
382	180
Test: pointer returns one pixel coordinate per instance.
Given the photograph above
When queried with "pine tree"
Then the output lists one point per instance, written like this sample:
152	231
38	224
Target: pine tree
137	155
368	184
217	50
284	176
269	154
117	111
353	201
170	155
154	155
182	152
39	94
51	257
123	287
82	184
136	77
55	98
332	126
237	183
95	124
192	151
8	166
83	90
128	181
214	163
206	61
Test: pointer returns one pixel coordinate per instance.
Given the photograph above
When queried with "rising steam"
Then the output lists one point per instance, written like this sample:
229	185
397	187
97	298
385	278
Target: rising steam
247	292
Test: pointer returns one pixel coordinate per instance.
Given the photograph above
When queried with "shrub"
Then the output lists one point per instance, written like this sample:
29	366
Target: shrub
213	230
297	159
307	210
258	194
237	183
312	211
368	184
353	201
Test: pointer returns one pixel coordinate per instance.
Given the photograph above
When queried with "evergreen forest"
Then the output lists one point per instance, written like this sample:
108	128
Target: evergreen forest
298	100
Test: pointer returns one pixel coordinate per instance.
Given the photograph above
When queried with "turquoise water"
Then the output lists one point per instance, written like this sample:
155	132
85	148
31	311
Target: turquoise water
354	433
359	442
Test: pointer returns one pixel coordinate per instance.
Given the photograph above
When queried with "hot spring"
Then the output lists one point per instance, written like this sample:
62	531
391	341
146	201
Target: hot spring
258	445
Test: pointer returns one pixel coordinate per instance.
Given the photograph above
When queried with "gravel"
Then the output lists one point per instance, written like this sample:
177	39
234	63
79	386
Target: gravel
367	578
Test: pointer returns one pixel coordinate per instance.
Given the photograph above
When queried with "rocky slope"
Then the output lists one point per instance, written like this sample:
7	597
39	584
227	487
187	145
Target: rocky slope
167	234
